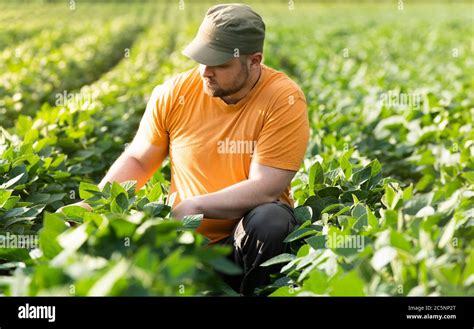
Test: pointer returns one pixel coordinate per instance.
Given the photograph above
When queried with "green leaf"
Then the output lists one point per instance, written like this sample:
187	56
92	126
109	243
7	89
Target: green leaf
397	240
284	291
171	199
38	198
300	233
318	204
24	124
116	190
353	196
376	168
282	258
12	182
104	285
341	210
361	176
425	212
15	212
468	275
355	199
408	193
329	191
391	197
4	195
74	239
74	212
469	176
60	174
150	229
317	242
15	254
192	222
129	187
359	212
53	226
87	190
390	217
425	182
418	202
447	233
317	282
303	251
11	202
316	176
346	166
122	227
303	213
348	284
371	219
155	192
120	203
154	209
382	257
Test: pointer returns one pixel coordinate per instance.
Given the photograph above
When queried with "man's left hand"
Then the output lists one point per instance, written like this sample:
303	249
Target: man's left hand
186	207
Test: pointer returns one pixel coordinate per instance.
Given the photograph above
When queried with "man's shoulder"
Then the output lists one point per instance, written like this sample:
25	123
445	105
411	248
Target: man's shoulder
188	76
279	83
179	81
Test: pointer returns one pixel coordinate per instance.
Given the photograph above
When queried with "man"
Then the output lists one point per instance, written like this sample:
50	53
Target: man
236	132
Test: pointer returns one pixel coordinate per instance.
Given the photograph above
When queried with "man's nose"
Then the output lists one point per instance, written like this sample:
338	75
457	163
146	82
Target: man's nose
206	71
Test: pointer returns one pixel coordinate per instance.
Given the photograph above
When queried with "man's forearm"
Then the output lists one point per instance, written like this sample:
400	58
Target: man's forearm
234	201
126	168
266	184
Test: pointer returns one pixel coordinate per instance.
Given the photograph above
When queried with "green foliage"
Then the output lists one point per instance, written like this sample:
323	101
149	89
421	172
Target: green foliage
396	177
384	199
390	243
120	248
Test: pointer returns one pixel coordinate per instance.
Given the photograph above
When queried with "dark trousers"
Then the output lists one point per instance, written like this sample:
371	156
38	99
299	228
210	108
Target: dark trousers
255	239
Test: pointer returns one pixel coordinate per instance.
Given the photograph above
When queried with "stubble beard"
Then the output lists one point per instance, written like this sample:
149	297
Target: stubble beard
215	90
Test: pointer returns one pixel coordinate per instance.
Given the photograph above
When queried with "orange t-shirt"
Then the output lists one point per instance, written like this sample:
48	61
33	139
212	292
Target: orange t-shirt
211	143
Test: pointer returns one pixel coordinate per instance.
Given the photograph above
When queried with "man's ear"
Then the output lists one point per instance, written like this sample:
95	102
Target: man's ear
256	58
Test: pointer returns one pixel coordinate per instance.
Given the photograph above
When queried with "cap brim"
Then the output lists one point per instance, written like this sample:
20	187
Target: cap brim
199	51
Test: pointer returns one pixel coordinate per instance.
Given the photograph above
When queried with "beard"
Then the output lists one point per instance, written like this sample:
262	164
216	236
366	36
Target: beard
215	90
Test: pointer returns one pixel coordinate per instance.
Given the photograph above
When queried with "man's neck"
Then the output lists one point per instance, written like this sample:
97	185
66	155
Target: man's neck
235	98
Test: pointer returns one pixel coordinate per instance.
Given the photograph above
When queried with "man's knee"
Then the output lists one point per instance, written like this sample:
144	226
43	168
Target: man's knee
270	221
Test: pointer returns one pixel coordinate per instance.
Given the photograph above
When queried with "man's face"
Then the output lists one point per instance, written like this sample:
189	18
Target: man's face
226	79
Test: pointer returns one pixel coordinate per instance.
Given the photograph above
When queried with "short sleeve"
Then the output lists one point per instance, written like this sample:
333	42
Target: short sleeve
153	123
284	137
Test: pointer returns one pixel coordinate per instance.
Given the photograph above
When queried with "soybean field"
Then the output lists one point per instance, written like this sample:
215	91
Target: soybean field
384	198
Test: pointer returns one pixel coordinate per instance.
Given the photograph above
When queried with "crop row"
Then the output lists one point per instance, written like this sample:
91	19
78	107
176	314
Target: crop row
34	78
